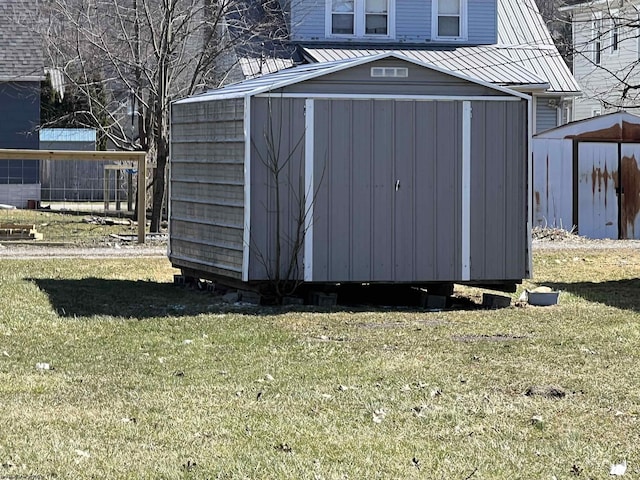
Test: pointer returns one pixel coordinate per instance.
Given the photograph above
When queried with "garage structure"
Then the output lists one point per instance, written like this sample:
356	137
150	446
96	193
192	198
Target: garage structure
586	175
379	169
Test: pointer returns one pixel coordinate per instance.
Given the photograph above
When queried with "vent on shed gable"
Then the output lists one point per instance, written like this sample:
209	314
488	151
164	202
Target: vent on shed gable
401	72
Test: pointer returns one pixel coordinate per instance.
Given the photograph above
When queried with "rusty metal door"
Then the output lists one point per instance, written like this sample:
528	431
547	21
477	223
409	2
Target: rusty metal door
630	191
597	182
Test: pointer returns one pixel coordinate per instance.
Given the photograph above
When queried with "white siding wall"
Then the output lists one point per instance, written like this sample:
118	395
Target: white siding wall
597	83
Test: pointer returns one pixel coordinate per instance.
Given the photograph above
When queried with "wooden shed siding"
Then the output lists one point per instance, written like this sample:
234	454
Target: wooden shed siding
498	190
207	185
366	228
280	121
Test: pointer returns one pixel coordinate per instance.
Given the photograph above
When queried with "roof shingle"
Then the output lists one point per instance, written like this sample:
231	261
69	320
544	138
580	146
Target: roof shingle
21	56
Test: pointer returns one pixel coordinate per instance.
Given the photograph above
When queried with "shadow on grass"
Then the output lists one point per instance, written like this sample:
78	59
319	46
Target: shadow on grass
615	293
89	297
123	298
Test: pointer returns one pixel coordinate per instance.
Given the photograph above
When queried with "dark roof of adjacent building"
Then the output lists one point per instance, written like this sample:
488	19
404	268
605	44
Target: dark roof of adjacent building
21	56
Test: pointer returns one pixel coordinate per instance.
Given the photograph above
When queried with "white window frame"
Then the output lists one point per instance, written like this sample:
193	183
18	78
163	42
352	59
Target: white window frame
359	21
464	32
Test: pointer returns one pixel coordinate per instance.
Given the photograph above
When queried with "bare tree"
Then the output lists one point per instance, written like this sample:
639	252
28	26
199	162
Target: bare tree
144	54
605	52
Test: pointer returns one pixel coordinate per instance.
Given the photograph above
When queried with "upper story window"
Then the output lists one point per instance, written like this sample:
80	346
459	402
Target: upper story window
596	32
449	20
359	18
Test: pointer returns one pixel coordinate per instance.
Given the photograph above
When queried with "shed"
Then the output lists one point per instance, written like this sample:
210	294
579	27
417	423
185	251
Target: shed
374	169
586	175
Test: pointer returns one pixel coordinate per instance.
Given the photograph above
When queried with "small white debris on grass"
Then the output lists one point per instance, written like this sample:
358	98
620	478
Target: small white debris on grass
435	392
536	420
161	359
268	378
618	469
5	353
43	366
187	342
82	453
406	388
379	415
326	396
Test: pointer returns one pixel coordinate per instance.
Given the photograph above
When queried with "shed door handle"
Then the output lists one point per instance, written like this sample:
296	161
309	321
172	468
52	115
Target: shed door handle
397	185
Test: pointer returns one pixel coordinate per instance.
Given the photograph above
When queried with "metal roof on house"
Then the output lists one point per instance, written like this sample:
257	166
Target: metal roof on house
524	37
21	56
301	73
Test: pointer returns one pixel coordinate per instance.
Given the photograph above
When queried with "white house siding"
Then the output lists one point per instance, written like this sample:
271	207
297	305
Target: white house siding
602	92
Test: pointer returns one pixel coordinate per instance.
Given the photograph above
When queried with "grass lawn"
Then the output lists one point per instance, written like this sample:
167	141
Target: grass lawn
148	380
70	227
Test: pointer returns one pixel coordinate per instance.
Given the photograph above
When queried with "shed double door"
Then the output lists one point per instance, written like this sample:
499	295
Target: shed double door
387	199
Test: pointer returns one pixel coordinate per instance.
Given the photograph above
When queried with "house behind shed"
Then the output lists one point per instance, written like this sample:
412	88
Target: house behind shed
586	175
377	169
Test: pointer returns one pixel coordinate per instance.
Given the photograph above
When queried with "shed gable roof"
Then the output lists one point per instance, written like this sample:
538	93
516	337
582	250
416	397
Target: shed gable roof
302	73
21	56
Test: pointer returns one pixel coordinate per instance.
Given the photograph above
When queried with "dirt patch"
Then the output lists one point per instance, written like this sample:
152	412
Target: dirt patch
546	391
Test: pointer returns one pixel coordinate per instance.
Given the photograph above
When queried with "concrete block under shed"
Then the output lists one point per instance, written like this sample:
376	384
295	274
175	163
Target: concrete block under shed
490	300
231	297
248	296
293	301
438	302
322	299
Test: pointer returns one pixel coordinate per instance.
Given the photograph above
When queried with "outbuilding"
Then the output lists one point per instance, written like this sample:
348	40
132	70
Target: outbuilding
379	169
586	176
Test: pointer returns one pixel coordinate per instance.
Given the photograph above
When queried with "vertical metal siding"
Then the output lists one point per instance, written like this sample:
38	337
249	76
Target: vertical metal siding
552	182
281	122
597	199
388	209
498	190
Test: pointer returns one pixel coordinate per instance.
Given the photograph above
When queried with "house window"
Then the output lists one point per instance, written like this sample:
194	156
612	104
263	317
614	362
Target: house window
615	35
597	40
449	19
360	17
342	17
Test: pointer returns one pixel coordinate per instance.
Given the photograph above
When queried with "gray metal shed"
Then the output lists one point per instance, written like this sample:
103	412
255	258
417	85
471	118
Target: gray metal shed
389	170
